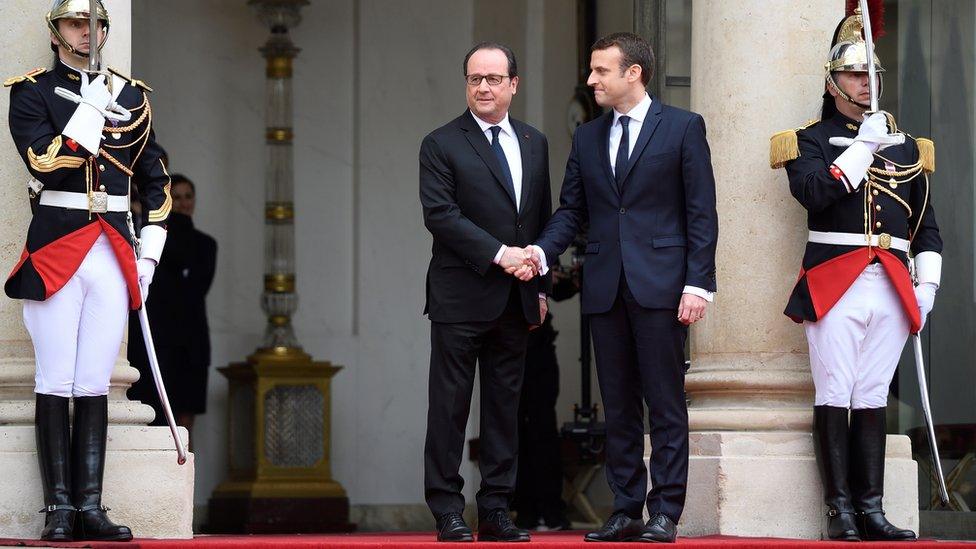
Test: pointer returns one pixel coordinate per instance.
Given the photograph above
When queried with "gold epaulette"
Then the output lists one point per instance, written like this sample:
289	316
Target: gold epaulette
784	147
28	77
136	83
926	153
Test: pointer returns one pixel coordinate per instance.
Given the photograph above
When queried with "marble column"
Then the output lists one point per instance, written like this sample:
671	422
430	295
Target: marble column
160	502
756	69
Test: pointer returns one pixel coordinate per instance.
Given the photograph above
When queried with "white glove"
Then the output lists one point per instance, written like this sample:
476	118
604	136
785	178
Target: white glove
925	295
85	125
873	133
145	268
95	92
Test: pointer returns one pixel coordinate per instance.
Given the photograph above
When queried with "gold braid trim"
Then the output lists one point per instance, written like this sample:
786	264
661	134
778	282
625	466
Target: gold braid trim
880	187
784	146
50	161
122	167
134	125
159	215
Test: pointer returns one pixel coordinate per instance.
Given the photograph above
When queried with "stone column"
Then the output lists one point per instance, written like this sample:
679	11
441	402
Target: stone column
143	484
756	69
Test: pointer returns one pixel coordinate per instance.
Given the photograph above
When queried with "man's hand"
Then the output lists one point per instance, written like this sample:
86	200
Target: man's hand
543	311
531	269
522	263
925	296
691	309
145	268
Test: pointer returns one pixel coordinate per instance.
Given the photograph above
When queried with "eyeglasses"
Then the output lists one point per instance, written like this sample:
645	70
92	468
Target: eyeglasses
474	80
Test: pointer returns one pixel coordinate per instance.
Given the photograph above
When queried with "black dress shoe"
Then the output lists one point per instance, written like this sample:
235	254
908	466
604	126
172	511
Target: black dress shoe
660	529
619	527
498	526
451	527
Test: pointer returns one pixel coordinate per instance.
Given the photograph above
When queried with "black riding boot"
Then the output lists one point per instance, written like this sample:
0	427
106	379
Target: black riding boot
87	467
51	432
868	436
830	440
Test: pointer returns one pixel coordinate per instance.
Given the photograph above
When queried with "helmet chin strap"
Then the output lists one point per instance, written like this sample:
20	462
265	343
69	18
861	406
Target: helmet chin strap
843	95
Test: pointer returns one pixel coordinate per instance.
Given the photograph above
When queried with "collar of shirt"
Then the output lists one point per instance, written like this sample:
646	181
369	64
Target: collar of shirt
505	125
638	113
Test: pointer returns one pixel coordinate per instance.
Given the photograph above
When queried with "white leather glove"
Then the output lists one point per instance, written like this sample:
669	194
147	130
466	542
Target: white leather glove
145	268
925	295
95	92
874	132
85	125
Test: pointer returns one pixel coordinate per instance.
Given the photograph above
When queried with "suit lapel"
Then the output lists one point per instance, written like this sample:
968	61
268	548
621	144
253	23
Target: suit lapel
474	135
650	124
525	151
605	150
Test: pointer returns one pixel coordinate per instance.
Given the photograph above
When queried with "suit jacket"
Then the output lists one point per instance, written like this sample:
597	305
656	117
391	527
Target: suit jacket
660	228
471	213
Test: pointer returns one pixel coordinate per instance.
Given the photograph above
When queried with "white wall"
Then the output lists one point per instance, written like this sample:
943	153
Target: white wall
372	79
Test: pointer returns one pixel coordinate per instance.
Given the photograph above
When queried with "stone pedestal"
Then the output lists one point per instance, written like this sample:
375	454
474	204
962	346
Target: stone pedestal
757	69
144	486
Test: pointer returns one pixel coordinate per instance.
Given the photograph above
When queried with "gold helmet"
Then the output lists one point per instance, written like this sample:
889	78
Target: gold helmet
849	53
75	9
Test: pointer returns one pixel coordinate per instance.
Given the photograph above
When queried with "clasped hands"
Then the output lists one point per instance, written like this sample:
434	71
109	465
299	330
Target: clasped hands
522	263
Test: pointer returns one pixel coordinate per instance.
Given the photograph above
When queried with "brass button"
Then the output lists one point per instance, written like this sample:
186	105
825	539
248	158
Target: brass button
101	167
878	207
894	185
875	192
101	188
878	225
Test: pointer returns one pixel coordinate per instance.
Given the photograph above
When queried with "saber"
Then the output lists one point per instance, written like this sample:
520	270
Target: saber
869	48
93	52
160	387
927	412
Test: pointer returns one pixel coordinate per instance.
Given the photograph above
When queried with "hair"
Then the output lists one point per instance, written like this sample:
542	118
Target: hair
509	54
636	51
178	178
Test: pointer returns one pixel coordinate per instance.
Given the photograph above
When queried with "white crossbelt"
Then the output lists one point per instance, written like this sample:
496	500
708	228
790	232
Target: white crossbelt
883	241
80	201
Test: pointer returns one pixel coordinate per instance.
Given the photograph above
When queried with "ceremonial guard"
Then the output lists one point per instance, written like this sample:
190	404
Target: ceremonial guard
84	135
865	186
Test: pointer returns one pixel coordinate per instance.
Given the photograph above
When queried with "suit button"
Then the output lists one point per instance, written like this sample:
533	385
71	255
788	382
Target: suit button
623	211
878	224
519	226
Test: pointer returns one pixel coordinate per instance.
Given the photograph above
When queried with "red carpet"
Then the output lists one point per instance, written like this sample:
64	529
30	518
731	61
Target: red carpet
553	540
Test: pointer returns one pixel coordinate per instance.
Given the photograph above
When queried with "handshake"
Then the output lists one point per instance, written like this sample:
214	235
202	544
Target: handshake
522	263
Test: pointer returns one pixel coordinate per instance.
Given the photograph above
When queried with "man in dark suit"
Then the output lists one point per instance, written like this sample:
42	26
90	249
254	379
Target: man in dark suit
484	184
641	175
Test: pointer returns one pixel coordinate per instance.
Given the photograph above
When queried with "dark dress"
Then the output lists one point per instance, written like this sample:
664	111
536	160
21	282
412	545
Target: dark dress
178	317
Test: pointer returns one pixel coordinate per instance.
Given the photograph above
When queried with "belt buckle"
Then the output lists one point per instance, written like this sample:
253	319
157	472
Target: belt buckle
98	202
884	241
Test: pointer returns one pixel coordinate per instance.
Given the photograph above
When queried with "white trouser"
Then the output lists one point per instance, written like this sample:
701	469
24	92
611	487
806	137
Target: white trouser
77	332
855	347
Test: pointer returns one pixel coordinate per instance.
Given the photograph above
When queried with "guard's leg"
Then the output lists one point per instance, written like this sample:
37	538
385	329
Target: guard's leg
53	327
103	321
835	342
888	329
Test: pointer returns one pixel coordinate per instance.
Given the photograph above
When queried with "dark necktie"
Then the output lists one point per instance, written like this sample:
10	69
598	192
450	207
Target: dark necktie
623	151
502	159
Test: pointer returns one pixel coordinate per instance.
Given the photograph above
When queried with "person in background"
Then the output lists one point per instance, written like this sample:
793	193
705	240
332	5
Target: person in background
178	315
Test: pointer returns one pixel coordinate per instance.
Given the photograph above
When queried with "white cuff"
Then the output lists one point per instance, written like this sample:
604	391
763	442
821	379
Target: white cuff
700	292
151	240
498	256
542	259
928	268
543	296
854	162
85	127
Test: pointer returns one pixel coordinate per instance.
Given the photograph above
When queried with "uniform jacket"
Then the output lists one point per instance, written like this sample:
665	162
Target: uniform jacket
59	238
